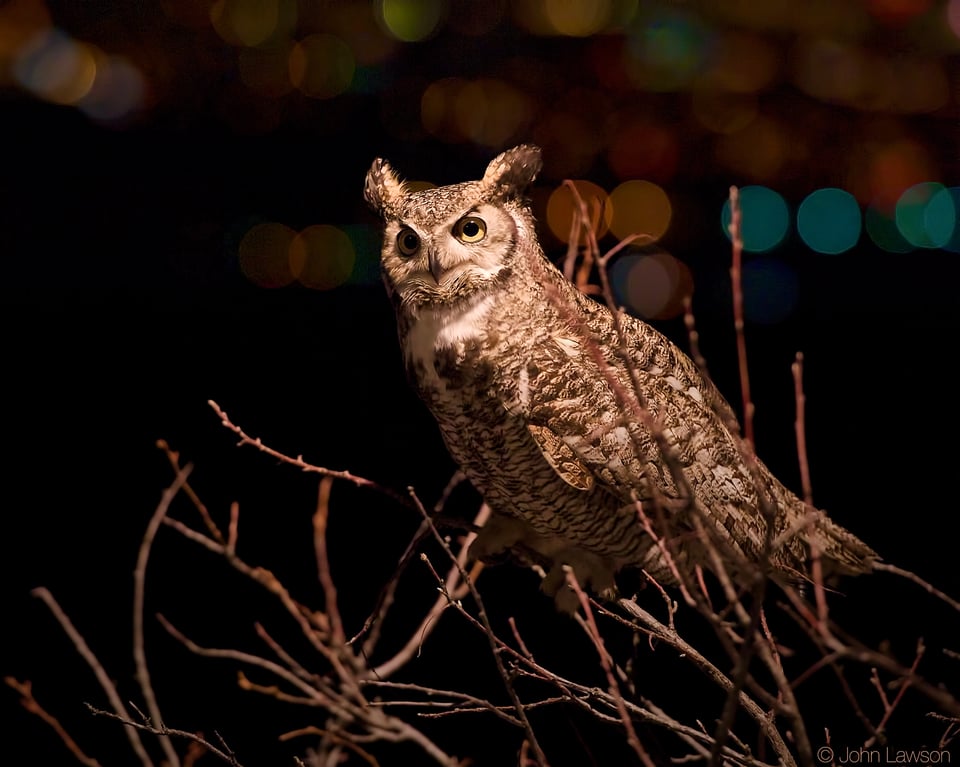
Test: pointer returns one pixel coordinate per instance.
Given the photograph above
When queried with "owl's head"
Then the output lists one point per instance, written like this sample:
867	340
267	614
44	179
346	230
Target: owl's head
451	244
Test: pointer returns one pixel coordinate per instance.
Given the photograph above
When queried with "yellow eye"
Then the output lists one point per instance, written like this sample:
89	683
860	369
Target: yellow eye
408	241
470	229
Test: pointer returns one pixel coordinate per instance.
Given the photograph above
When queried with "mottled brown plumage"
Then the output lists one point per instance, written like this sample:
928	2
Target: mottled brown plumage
526	378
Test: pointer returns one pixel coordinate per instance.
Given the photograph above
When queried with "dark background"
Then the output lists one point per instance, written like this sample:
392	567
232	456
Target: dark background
125	310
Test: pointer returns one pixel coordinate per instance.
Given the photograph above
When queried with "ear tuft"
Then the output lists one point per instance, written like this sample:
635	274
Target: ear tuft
510	173
383	188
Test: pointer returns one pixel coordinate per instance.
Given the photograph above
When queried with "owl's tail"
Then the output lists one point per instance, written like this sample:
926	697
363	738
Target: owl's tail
841	552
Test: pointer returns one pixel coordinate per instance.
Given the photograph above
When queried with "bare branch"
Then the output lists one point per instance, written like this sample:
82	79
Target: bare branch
164	733
139	580
245	439
25	689
103	678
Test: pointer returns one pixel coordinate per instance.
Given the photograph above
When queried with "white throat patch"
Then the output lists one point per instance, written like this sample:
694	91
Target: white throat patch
444	328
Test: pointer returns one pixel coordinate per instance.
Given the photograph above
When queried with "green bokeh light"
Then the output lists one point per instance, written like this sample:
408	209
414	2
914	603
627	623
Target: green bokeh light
829	221
882	229
765	218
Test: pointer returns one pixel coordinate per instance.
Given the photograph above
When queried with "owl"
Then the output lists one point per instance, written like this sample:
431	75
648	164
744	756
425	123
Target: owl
596	442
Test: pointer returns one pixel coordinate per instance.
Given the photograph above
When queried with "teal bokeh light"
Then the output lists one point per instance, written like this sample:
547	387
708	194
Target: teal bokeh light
920	221
940	218
765	218
828	220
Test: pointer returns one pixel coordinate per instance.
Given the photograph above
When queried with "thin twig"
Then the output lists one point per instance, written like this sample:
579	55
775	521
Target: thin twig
320	517
25	689
736	238
246	439
613	687
106	683
491	637
139	583
164	733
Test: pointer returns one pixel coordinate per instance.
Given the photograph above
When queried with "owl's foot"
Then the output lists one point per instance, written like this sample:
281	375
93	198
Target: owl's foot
497	537
593	573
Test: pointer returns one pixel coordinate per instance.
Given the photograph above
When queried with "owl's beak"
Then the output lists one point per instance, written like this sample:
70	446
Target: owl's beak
436	268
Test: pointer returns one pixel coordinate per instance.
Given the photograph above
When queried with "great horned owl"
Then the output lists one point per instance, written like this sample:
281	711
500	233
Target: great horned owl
525	376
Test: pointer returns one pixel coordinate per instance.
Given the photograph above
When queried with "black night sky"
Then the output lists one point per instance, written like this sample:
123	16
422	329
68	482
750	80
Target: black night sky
127	305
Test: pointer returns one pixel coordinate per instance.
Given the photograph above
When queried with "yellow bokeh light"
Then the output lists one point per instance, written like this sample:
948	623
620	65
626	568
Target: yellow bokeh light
246	22
411	20
322	257
640	207
20	21
562	205
744	63
436	108
576	19
264	255
321	66
490	112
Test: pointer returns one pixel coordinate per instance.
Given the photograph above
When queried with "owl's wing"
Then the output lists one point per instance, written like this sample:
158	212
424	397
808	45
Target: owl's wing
561	457
585	433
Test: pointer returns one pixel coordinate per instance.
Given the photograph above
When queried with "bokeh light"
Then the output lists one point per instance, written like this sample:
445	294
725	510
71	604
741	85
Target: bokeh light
322	257
119	91
897	12
952	11
561	206
829	221
488	112
882	228
411	21
572	19
264	255
253	22
367	241
742	62
639	207
923	225
652	286
321	66
667	49
56	67
942	216
357	26
889	169
770	290
577	19
765	218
